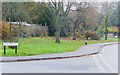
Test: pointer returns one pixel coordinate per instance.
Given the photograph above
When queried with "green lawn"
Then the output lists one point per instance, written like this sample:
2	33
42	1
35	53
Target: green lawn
46	45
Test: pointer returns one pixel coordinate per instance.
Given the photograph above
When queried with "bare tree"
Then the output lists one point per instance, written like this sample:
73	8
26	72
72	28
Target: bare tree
59	10
106	11
76	16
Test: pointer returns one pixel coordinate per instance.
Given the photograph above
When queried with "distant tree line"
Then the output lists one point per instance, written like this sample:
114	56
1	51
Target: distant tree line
79	20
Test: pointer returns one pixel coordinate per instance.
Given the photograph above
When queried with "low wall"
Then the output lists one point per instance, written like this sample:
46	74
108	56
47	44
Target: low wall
31	31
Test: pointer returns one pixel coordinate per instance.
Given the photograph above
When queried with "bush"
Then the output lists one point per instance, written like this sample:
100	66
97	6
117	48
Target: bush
4	28
15	31
87	35
94	36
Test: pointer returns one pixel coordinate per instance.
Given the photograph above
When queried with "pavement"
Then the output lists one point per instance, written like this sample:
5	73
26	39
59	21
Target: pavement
86	50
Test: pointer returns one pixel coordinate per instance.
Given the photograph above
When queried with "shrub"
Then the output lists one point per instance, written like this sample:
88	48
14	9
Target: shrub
4	28
87	35
15	31
94	36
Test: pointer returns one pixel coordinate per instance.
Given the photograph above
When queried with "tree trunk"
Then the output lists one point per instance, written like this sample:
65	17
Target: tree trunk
57	37
10	35
58	23
74	33
106	31
19	35
106	35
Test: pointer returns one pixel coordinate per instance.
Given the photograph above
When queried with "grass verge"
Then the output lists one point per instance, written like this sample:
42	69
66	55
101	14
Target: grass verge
46	45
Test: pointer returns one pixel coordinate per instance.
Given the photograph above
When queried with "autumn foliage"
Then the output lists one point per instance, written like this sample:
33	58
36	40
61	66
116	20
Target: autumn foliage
4	30
92	35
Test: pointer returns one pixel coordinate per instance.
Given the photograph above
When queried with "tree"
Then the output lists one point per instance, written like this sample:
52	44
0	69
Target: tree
76	18
83	17
106	11
17	9
58	15
17	12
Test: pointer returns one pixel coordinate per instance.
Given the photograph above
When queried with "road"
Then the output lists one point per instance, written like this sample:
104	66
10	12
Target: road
105	62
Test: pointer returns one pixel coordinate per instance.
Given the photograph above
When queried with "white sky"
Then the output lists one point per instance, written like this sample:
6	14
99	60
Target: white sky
83	0
61	0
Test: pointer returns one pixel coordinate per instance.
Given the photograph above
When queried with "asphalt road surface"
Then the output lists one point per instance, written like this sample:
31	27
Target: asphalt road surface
105	62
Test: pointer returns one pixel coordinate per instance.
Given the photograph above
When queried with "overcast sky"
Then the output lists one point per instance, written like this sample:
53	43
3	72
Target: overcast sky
86	0
61	0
